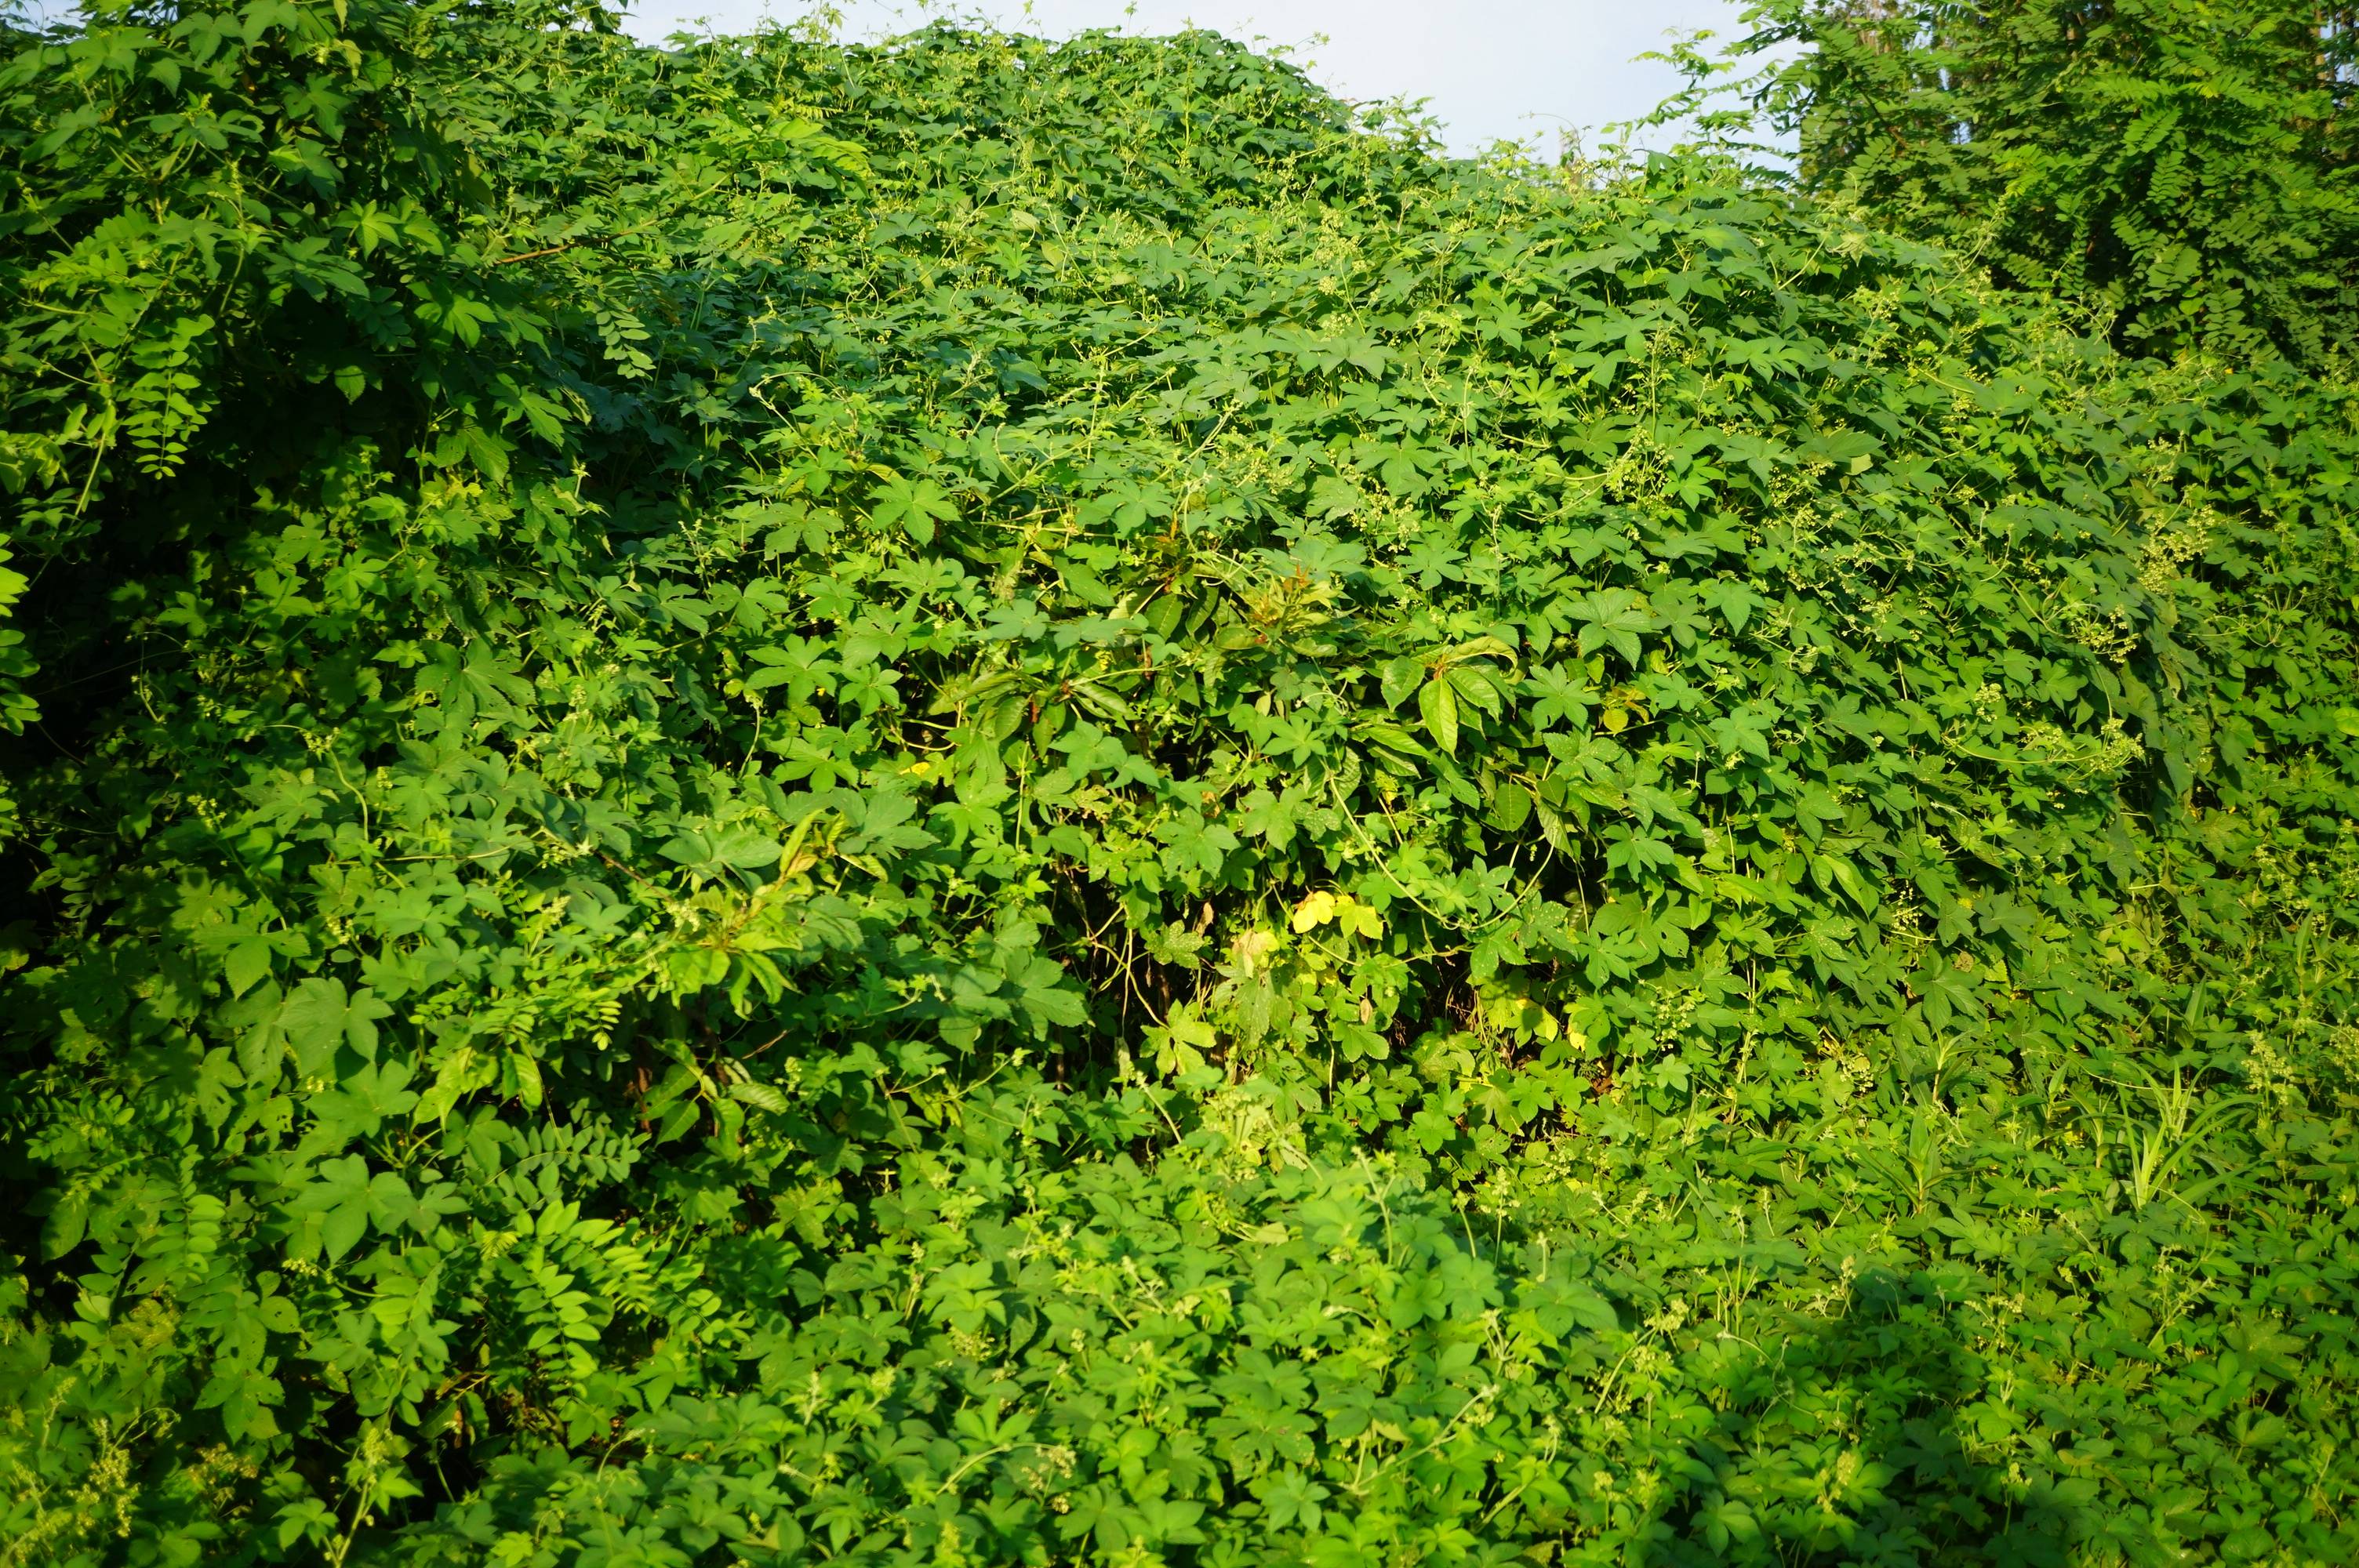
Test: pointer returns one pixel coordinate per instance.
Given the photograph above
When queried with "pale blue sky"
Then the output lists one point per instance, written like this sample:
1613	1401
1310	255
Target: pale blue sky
1516	68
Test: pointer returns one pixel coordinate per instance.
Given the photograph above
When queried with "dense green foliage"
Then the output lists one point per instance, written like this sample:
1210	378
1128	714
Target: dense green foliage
984	802
2189	168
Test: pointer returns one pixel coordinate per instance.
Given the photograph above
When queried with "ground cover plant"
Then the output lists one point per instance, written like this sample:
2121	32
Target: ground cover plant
990	802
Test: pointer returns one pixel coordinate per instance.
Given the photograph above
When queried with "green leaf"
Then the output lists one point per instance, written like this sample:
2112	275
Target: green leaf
762	1096
319	1015
914	505
248	963
1400	678
1611	618
362	1103
1437	705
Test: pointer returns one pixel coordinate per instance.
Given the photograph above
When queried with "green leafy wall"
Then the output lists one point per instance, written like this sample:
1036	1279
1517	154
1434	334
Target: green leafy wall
990	802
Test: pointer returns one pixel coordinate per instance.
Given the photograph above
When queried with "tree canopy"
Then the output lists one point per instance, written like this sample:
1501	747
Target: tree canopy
2188	168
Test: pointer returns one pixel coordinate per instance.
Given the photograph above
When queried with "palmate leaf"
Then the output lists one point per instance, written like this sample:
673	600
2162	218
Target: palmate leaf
345	1200
1743	733
360	1104
1558	698
711	852
1612	618
319	1016
1736	601
913	506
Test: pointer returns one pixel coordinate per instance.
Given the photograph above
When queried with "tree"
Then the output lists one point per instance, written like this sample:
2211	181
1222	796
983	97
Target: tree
2189	168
